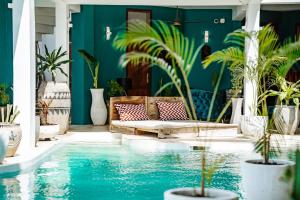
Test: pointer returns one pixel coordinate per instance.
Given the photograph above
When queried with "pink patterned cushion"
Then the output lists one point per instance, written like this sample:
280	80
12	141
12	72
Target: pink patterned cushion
171	110
132	112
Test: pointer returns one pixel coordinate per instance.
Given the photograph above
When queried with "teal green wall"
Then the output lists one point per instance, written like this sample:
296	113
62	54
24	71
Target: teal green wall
89	33
6	51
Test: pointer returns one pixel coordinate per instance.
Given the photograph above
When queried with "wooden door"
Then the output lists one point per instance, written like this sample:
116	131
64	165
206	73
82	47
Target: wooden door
140	76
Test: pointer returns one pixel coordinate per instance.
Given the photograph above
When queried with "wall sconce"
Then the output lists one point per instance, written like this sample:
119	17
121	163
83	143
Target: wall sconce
108	33
206	36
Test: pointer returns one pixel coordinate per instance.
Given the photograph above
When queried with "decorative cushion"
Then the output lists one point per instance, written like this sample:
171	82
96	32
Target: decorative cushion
171	110
132	112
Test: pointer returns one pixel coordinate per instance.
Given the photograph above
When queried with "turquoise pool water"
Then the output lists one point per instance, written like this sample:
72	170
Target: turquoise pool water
113	172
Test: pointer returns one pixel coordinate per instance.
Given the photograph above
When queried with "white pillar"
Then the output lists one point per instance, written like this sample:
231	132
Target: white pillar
251	51
62	34
24	69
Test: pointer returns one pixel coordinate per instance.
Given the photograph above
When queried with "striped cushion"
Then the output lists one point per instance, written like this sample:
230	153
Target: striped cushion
171	110
132	112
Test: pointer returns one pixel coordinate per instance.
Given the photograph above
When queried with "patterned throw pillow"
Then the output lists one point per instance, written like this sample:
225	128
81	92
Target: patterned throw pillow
171	110
132	112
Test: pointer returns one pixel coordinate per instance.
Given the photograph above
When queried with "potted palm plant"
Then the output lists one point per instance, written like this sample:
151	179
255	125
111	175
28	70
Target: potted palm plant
98	107
58	92
286	115
47	130
180	55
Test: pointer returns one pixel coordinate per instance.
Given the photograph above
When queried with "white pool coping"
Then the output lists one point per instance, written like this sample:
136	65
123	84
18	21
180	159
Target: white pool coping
141	143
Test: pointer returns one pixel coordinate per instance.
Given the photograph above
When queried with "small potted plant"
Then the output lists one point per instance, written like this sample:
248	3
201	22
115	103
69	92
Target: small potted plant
202	193
98	107
47	130
10	129
287	116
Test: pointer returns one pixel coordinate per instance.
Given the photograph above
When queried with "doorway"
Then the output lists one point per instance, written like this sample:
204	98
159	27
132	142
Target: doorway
140	76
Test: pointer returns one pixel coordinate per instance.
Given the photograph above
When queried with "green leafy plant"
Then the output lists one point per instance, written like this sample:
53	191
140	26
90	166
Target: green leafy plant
273	59
114	89
8	114
52	61
179	54
179	57
4	97
93	65
288	91
164	91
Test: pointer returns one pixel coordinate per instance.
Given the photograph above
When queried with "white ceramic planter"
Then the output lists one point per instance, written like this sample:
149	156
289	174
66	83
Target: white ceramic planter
37	128
254	126
186	194
15	136
59	95
49	131
98	107
236	111
264	182
286	119
4	140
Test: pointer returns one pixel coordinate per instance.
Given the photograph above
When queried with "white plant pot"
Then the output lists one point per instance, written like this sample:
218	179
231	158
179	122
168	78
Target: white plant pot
254	126
37	128
49	131
236	111
59	109
98	107
187	194
265	182
4	140
286	119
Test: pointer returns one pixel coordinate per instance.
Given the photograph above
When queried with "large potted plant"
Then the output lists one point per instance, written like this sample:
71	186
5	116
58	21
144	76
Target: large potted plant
98	107
47	130
10	129
57	92
262	178
287	115
162	39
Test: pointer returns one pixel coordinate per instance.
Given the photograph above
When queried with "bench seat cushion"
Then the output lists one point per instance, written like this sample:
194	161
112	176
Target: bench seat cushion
157	124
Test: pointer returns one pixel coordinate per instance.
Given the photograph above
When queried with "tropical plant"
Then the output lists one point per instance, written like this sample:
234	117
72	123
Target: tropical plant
93	65
114	89
4	97
44	107
164	91
52	61
179	54
288	91
165	47
273	60
9	114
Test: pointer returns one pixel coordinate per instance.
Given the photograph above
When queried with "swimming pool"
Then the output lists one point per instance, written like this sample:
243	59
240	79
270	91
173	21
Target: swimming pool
116	172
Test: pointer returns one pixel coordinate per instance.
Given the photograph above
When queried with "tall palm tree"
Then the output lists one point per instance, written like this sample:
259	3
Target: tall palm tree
165	47
273	59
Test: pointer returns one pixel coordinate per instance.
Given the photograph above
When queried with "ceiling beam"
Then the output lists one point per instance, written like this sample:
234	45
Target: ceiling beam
159	3
280	2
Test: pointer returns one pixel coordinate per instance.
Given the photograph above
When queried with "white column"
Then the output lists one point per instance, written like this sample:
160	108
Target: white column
24	69
62	34
251	51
